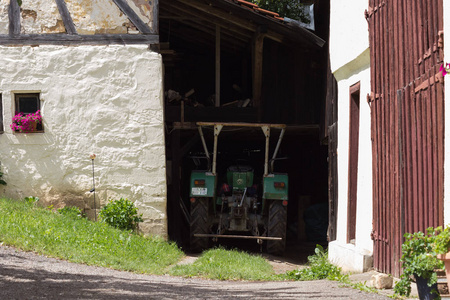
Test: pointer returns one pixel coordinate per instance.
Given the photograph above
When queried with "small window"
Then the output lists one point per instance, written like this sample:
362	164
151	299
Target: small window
28	105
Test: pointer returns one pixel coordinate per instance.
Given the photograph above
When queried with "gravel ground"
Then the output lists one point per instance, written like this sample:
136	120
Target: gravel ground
25	275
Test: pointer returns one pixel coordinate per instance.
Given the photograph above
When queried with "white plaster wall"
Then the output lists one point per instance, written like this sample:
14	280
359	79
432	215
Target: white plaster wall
97	16
40	16
106	100
357	71
4	20
350	61
349	35
446	13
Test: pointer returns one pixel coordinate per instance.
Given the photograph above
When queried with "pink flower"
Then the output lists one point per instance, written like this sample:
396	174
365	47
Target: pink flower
21	122
445	68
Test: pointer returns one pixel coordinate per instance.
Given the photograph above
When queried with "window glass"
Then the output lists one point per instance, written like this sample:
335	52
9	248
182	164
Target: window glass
27	103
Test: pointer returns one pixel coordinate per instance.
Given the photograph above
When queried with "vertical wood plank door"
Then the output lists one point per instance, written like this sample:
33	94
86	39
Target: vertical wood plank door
407	120
353	162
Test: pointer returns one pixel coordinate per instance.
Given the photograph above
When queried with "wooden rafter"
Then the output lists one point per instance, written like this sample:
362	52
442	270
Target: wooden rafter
66	17
134	18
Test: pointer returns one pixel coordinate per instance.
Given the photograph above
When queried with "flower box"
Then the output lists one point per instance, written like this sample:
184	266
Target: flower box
26	123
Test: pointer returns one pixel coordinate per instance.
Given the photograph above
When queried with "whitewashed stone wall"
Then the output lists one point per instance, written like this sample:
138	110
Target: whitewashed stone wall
350	62
89	16
106	100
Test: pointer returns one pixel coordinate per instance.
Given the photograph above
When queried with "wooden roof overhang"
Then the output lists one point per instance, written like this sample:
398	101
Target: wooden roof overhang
239	24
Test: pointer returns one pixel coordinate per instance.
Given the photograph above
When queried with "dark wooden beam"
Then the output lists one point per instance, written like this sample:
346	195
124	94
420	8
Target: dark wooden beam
68	39
65	15
190	15
134	18
231	18
14	18
155	26
257	53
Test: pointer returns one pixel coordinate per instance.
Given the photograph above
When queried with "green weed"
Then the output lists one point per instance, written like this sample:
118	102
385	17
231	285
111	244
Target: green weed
121	214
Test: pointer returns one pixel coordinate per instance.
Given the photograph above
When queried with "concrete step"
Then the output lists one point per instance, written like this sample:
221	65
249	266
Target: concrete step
442	284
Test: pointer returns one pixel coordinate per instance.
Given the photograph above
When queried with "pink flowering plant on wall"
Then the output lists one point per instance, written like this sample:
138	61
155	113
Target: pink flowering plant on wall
26	122
445	69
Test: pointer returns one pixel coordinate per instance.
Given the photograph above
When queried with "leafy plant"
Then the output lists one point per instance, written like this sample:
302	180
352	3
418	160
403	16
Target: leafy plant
419	257
24	122
31	199
318	268
121	214
287	8
71	211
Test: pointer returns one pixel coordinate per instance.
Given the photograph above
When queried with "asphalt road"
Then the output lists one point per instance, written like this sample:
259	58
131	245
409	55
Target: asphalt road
26	275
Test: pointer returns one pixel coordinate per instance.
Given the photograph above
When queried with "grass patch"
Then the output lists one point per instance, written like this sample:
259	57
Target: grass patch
224	264
79	240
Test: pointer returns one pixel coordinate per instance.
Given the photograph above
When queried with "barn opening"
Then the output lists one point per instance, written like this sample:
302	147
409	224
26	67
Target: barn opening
225	61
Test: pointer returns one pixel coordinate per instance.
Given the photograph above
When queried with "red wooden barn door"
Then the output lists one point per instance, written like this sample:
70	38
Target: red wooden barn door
407	122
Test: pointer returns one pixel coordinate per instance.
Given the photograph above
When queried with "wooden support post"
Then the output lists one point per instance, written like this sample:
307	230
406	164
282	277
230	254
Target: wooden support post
217	66
174	216
257	53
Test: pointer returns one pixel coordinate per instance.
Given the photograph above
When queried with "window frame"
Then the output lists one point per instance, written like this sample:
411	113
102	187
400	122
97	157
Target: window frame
37	95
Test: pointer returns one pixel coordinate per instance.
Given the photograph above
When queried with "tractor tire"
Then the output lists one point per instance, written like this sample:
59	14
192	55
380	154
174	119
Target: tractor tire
199	224
277	228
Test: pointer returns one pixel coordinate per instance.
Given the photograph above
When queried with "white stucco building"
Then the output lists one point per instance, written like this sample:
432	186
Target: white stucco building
99	88
350	64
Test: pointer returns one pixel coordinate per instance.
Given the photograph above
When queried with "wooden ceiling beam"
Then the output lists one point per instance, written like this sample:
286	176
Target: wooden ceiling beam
228	17
194	16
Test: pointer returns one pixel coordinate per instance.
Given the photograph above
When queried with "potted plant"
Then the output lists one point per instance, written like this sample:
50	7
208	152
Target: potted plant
442	246
26	122
419	260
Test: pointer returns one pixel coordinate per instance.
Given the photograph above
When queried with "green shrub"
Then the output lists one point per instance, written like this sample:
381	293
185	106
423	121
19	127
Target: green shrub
121	214
318	268
71	211
31	199
419	257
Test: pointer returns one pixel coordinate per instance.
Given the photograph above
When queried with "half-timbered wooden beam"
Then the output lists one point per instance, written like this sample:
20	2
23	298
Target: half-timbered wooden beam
155	20
14	18
65	15
134	18
71	39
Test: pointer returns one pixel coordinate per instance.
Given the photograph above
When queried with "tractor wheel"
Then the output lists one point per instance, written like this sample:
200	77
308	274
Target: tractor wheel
199	224
277	227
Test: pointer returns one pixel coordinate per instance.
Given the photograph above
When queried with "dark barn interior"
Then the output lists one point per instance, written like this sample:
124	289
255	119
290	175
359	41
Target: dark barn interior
267	71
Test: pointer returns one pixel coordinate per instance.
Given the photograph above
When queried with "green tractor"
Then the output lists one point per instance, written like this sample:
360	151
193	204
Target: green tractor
238	207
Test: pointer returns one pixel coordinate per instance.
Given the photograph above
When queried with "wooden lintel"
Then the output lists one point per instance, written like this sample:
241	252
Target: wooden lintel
134	18
14	18
65	15
70	39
